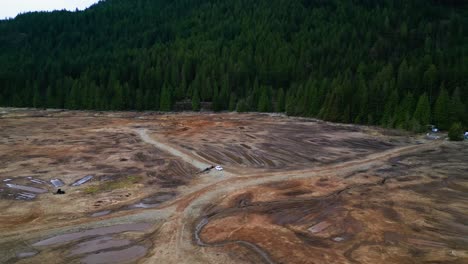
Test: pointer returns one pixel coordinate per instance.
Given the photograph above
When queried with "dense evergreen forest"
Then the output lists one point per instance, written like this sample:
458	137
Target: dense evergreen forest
394	63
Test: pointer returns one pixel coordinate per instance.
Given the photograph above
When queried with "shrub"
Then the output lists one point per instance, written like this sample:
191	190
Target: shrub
456	132
241	106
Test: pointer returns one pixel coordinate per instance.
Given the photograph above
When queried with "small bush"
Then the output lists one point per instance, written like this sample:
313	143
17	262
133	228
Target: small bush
456	132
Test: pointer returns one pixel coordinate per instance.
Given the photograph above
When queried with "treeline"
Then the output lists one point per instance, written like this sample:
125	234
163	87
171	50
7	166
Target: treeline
401	63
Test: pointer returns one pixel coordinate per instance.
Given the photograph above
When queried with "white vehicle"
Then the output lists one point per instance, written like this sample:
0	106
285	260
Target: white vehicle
219	168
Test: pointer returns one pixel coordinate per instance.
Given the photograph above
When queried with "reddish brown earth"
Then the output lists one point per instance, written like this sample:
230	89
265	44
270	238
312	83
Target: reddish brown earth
293	190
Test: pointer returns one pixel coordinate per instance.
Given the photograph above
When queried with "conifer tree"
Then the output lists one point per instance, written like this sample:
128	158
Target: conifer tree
165	104
457	109
405	112
441	110
232	102
242	106
37	100
264	101
422	114
280	101
195	101
388	118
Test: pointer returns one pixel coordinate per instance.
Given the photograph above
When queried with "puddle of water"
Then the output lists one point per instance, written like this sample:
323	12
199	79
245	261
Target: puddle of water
99	244
153	201
7	180
82	181
117	256
57	183
26	254
25	196
102	213
319	227
141	205
26	188
38	181
93	232
338	239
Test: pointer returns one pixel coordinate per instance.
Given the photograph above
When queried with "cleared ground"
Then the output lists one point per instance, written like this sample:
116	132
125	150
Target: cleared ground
293	190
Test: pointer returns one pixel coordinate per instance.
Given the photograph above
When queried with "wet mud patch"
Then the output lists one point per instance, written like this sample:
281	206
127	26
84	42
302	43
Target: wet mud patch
154	201
98	244
65	238
123	255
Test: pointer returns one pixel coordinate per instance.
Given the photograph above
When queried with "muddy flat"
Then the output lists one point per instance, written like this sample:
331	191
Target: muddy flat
140	188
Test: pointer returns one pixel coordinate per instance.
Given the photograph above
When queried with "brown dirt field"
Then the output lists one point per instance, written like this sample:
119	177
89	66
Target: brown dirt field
293	190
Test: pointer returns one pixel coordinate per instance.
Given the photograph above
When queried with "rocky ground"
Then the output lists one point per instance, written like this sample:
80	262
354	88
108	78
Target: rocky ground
292	190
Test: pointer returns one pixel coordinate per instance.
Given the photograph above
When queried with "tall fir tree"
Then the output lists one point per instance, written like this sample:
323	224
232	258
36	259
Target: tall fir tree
165	104
264	101
422	114
457	109
441	110
280	101
195	101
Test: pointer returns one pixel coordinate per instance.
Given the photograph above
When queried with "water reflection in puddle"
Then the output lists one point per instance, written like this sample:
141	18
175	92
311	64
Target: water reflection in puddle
117	256
98	244
82	181
26	254
93	232
26	188
102	213
153	201
57	183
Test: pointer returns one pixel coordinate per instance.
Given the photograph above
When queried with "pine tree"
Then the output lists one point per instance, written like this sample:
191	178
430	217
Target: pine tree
457	108
50	98
165	104
232	102
280	101
405	112
118	96
264	101
73	97
456	132
207	89
422	114
139	104
242	106
388	118
217	105
403	76
429	81
37	100
441	110
291	103
195	101
224	94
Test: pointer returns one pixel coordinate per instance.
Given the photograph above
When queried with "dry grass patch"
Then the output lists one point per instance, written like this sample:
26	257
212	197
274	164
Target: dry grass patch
108	186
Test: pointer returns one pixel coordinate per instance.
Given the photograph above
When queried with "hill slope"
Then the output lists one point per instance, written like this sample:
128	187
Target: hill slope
392	63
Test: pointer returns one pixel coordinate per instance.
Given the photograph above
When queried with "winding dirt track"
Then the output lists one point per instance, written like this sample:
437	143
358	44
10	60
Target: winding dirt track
182	248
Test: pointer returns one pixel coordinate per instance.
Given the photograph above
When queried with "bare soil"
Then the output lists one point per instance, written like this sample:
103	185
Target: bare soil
292	190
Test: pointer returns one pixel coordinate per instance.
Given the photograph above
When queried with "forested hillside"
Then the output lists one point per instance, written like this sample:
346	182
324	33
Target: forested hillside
401	63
